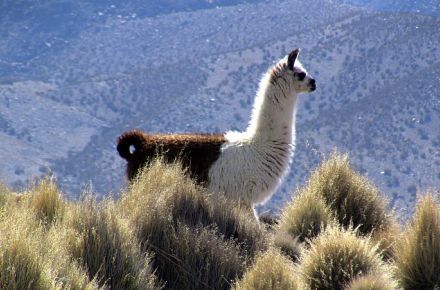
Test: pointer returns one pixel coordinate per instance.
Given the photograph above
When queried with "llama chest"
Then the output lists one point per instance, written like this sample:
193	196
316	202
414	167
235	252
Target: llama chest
250	171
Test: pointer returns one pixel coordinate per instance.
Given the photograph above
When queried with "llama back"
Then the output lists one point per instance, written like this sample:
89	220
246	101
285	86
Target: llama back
196	152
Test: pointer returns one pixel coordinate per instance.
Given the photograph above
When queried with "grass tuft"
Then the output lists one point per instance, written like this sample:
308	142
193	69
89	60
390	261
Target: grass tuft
288	245
355	201
166	232
20	267
206	239
305	217
337	256
21	262
372	282
105	247
418	251
271	270
47	201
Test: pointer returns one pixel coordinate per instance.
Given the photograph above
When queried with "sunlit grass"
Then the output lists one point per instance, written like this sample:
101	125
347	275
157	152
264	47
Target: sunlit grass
198	241
271	270
338	256
166	232
306	216
418	250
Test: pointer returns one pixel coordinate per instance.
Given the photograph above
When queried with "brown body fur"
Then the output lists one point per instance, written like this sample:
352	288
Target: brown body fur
197	152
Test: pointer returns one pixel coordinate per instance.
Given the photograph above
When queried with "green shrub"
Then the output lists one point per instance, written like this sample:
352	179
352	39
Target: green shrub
103	244
355	201
337	256
172	215
372	282
418	251
271	270
305	217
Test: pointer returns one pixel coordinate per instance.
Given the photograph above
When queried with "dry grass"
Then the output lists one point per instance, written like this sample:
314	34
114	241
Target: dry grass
418	252
21	263
386	240
46	200
271	270
355	201
29	256
305	217
166	232
105	247
288	245
372	282
206	239
336	257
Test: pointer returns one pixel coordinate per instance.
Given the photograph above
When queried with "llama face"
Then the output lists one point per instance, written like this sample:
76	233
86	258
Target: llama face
301	80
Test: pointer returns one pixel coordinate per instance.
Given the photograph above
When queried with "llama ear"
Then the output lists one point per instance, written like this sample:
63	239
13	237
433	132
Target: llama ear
292	58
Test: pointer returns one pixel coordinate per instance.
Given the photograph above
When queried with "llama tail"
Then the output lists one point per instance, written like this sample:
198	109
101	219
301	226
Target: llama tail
129	142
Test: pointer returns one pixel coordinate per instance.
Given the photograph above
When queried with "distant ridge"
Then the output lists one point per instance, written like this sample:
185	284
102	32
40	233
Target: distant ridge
378	99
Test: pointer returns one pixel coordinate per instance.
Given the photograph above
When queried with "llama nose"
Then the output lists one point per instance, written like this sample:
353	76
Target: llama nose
313	84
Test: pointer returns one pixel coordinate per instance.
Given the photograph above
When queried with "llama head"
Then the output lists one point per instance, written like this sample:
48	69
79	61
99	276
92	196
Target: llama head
292	71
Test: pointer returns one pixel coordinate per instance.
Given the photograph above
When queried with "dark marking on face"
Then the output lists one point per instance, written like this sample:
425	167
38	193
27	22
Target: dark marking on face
301	76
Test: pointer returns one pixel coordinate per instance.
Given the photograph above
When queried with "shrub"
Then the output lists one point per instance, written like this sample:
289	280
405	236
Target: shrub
305	217
353	199
337	256
103	244
372	282
418	252
172	215
271	270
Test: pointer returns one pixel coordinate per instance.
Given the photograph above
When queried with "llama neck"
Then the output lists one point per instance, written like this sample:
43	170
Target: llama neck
274	112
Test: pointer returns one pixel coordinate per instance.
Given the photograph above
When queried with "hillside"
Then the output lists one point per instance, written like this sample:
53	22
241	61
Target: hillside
427	7
65	99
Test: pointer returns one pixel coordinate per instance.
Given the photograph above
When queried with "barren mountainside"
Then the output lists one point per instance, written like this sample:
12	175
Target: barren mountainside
65	97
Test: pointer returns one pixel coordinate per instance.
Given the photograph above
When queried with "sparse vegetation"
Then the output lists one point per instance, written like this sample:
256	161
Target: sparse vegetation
165	232
355	201
288	245
336	257
372	282
306	216
47	201
105	247
208	241
271	270
418	252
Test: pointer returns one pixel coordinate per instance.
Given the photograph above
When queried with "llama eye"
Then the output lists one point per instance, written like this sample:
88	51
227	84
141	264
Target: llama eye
301	76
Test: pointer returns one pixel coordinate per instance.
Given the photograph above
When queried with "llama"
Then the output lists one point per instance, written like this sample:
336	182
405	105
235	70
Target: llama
245	166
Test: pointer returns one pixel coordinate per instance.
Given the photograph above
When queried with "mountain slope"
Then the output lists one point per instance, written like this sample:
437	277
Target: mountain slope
377	97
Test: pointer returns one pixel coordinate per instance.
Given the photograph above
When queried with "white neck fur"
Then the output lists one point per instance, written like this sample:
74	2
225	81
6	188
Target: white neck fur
274	111
252	163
